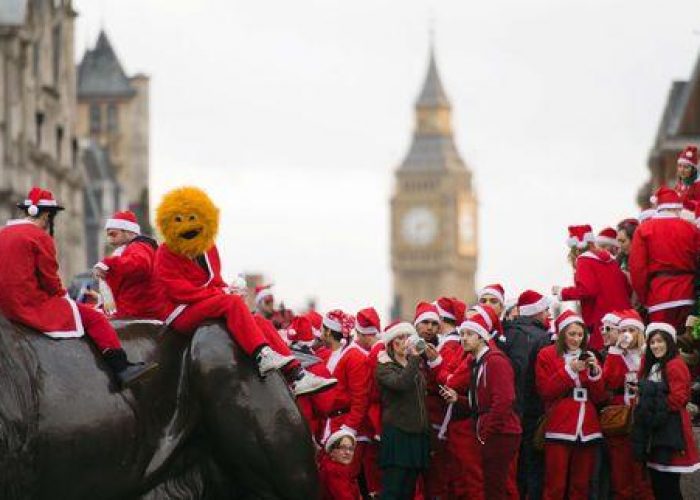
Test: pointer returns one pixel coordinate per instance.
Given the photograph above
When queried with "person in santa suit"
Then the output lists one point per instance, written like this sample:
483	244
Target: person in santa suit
404	453
367	329
687	186
493	296
620	370
664	376
300	380
600	285
33	295
187	265
607	240
451	311
570	382
663	262
128	272
427	322
348	364
334	468
491	396
317	329
625	233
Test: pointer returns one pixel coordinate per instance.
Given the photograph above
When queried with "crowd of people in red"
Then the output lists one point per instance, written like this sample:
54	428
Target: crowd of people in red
488	400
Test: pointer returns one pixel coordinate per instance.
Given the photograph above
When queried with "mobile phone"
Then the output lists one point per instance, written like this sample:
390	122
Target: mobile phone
584	356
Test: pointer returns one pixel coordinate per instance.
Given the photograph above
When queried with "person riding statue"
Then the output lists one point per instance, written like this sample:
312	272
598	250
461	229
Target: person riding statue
33	295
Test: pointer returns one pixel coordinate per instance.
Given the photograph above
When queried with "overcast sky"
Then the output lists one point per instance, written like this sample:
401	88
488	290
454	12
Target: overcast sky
294	115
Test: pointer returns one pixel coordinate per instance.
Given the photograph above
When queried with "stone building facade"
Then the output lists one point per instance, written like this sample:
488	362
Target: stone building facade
38	140
113	112
434	238
679	127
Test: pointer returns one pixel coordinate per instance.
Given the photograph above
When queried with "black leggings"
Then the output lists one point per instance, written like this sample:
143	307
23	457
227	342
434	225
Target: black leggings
399	483
666	485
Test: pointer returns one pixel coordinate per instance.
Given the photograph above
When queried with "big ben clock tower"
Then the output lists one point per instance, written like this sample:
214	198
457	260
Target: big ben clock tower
434	244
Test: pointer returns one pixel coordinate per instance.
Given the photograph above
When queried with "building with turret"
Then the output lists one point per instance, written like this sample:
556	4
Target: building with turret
434	237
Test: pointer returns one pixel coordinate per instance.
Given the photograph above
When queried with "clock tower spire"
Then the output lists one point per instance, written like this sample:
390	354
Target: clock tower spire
433	210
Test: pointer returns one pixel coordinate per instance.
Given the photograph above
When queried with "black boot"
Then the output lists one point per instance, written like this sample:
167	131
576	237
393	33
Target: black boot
125	372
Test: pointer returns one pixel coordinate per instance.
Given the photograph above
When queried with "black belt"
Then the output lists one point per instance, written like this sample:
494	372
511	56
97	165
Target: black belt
673	272
337	413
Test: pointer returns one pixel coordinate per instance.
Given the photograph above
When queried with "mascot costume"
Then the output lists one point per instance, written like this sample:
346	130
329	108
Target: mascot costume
188	266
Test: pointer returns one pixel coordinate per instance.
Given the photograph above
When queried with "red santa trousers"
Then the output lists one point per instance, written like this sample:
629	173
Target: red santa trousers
496	462
336	480
372	472
98	328
674	316
239	322
627	475
466	478
512	491
568	469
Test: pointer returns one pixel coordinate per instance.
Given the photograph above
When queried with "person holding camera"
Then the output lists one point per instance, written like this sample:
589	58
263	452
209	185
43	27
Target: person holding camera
662	435
569	380
490	398
622	363
405	449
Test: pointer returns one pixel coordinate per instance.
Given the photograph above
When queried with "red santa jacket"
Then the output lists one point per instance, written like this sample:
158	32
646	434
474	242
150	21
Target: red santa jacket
374	411
569	398
32	292
663	261
450	350
351	394
601	287
337	480
495	396
688	192
131	278
620	367
678	380
185	281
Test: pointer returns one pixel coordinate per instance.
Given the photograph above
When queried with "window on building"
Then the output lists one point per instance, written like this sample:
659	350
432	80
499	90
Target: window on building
74	153
112	118
38	122
56	43
59	143
36	52
95	119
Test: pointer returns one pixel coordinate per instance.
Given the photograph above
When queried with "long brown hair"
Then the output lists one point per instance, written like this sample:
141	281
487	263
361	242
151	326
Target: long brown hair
561	342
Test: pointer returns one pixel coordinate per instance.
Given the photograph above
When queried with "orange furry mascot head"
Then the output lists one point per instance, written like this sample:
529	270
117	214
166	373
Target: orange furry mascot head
188	221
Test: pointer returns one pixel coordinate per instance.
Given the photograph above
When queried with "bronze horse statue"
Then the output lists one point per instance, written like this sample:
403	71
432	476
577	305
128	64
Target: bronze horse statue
205	425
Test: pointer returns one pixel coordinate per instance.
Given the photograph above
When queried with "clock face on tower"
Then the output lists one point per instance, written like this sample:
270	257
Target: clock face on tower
466	227
419	226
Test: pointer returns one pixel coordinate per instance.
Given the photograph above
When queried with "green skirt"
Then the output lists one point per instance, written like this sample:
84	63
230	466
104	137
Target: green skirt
403	449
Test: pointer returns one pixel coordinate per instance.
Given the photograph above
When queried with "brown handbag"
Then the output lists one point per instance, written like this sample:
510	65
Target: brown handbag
616	420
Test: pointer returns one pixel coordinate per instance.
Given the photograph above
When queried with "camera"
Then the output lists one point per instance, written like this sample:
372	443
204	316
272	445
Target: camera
417	342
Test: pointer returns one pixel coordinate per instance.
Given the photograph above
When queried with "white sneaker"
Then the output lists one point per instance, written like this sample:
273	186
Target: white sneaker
311	383
269	360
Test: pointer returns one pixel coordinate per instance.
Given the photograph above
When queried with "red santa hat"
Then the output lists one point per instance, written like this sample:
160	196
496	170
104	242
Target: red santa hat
689	156
451	308
607	236
339	321
425	311
496	290
631	318
478	325
316	321
368	322
300	330
262	293
580	236
565	319
396	329
491	319
530	303
667	199
39	199
661	327
125	220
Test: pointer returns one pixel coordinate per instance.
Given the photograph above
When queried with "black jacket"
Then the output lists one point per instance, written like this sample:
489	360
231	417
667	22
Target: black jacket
657	432
403	392
524	337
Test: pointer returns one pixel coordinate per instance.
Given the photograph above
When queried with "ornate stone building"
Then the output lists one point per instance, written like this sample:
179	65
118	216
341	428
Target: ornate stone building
679	127
434	240
38	143
113	112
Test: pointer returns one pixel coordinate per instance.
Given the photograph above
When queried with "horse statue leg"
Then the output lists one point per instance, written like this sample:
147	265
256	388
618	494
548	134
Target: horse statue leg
260	439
